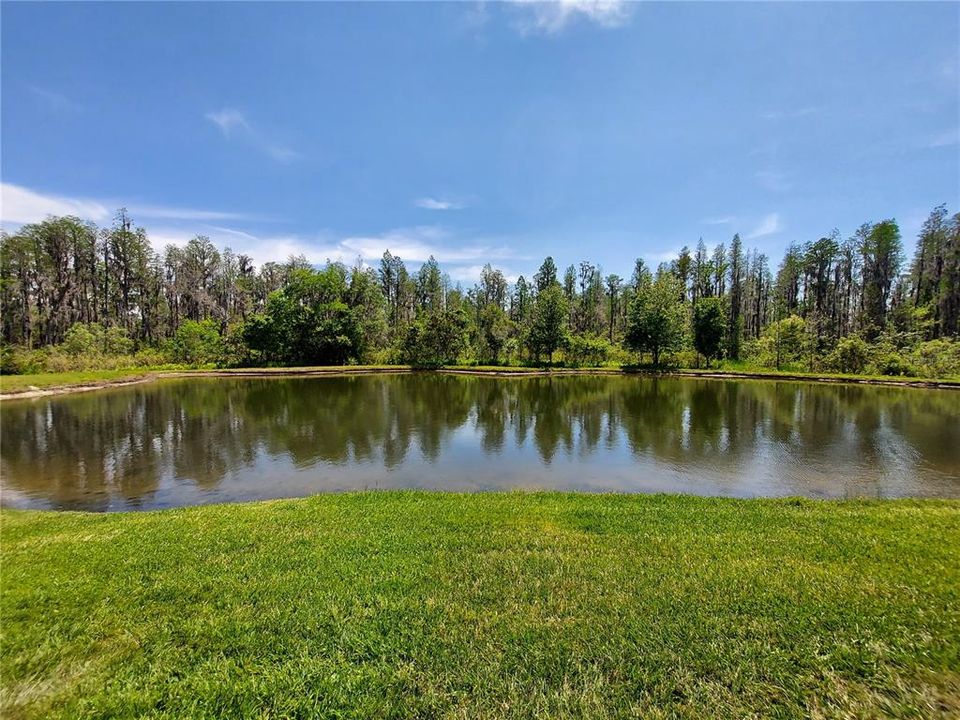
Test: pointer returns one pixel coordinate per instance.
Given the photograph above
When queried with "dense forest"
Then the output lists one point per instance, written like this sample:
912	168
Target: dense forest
75	296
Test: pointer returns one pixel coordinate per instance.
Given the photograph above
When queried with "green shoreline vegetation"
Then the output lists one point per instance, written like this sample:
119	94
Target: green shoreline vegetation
408	604
77	298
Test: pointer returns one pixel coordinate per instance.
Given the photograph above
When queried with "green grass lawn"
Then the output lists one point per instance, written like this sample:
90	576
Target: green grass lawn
485	606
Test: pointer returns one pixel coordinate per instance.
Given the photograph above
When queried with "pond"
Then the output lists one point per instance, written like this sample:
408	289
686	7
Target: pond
194	441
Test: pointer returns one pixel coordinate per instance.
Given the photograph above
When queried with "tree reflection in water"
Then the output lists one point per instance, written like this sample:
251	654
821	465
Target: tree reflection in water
206	440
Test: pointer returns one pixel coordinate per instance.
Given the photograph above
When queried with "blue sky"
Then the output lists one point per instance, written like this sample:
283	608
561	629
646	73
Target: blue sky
496	132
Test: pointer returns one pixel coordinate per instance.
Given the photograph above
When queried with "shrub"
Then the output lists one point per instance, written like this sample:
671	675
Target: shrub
893	363
783	340
851	355
937	358
79	340
197	343
588	350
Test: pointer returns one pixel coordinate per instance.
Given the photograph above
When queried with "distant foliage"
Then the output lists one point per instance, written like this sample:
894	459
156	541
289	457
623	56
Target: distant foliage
709	326
77	297
437	339
658	318
307	322
548	329
852	355
589	351
198	343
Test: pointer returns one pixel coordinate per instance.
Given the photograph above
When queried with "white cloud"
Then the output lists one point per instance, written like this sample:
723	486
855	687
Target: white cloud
55	100
19	205
726	220
176	226
429	203
768	225
234	124
419	243
472	273
550	18
282	154
463	259
661	256
946	139
177	213
228	120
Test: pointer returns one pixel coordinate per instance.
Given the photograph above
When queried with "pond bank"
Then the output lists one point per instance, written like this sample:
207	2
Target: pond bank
13	386
497	605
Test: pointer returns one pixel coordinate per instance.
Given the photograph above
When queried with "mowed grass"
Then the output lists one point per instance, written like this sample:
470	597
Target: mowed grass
507	605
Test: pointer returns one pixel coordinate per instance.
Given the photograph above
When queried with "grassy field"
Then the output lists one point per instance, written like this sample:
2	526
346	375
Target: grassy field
487	606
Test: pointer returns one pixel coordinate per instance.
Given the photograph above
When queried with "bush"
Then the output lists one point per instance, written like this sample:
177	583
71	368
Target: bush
893	363
17	361
79	340
851	355
588	350
197	343
937	358
784	339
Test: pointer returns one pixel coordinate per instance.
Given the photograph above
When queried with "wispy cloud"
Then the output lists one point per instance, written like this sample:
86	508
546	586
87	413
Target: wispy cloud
20	205
768	225
282	154
726	220
54	100
550	18
178	213
655	257
946	139
229	121
233	124
429	203
463	257
472	273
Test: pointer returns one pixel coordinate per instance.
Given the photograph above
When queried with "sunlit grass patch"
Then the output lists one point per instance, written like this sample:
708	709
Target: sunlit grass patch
495	605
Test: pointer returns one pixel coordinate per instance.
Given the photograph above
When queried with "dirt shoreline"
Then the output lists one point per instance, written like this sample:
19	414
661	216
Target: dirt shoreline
491	372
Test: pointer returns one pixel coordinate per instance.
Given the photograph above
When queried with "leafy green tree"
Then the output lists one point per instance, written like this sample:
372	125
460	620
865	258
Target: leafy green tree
308	322
495	329
437	339
708	327
882	256
657	320
783	341
548	329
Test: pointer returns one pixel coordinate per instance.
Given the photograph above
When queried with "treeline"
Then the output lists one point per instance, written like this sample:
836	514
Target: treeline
74	296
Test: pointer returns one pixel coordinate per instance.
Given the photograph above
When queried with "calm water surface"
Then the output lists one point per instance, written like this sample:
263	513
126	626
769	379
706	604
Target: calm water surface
193	441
